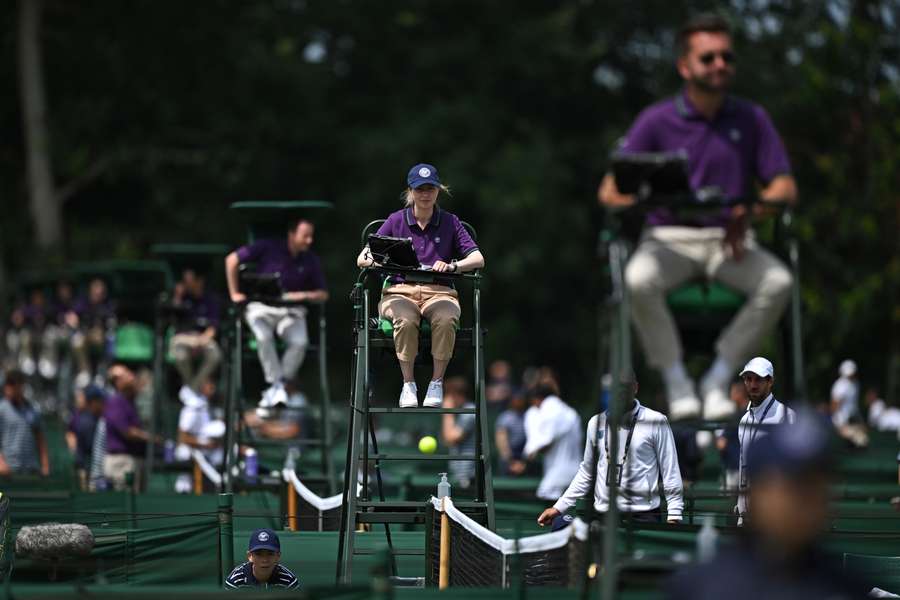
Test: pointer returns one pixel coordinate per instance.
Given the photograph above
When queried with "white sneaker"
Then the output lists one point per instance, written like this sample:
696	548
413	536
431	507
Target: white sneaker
47	368
716	403
434	396
273	396
409	395
683	402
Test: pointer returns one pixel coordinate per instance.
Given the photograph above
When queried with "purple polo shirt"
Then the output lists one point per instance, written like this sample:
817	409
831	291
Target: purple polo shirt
120	414
200	312
734	150
299	273
444	237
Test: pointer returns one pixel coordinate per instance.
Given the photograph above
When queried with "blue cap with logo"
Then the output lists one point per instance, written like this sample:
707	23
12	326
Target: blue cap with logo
561	522
264	539
422	174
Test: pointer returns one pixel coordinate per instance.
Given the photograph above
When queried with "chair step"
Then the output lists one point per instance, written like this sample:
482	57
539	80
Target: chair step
421	410
469	457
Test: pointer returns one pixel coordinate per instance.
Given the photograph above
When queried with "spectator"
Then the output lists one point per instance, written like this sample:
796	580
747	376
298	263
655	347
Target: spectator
301	279
18	342
126	438
731	144
37	318
647	451
779	555
195	331
727	441
94	318
763	413
458	430
881	416
23	447
552	430
499	383
509	435
82	429
845	406
57	334
196	427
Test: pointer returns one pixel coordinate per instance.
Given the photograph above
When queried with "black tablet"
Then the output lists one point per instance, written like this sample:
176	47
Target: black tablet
260	285
393	251
651	174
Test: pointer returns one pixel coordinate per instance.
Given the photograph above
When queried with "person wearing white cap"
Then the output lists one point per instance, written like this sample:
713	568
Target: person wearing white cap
763	413
845	406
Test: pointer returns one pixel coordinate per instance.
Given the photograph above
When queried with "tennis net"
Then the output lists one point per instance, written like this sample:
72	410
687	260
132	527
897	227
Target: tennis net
480	557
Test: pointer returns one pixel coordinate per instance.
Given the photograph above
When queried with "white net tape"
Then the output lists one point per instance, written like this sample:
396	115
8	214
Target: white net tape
534	543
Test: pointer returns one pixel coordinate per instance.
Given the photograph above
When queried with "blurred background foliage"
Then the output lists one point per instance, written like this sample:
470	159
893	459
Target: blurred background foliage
162	113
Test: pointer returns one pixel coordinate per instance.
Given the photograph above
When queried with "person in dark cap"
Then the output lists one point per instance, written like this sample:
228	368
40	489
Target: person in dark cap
262	569
83	428
777	554
443	245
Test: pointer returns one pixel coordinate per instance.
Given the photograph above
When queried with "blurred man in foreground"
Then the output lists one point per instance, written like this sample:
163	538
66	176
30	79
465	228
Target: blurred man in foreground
23	447
778	555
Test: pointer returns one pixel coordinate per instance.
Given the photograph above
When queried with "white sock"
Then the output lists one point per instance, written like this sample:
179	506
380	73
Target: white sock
675	374
720	371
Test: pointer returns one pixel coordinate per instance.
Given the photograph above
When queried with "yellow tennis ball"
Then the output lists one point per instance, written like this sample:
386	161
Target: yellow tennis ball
427	445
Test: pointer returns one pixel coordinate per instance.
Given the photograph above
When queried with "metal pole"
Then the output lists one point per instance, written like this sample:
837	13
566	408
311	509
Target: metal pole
226	536
796	325
621	363
158	385
326	402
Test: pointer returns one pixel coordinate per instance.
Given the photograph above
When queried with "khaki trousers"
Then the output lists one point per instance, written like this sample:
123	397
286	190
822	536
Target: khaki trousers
669	256
183	347
405	304
116	466
288	323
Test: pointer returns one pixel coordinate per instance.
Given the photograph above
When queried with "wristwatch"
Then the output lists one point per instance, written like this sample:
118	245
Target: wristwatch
455	265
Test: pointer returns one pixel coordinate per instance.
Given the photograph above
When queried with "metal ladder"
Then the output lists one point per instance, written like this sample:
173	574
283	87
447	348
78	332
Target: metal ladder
360	509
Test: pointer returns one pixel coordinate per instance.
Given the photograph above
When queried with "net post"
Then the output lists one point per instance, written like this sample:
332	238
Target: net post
292	507
444	570
226	535
198	478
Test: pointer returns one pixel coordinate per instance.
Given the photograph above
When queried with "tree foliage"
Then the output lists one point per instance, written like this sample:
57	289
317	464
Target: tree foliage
176	109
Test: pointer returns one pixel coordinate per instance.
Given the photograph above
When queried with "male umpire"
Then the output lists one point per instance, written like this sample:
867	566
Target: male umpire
262	569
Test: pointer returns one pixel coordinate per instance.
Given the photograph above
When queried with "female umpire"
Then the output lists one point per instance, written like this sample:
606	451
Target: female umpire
442	243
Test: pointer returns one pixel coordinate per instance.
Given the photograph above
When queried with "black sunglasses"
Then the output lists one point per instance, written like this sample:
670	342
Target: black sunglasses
709	57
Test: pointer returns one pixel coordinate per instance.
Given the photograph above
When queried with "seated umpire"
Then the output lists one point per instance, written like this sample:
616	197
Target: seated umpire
262	569
302	280
442	243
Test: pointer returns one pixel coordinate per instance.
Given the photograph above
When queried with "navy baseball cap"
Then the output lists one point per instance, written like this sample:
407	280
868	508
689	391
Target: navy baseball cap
94	391
422	174
264	539
561	522
793	449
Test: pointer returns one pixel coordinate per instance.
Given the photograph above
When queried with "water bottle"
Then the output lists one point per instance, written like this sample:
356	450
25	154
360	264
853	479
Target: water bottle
169	452
290	461
443	486
707	540
251	464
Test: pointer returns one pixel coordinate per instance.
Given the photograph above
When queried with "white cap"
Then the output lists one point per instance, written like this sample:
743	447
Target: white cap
760	366
847	368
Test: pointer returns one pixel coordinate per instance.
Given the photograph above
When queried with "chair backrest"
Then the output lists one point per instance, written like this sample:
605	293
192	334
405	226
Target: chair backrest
876	571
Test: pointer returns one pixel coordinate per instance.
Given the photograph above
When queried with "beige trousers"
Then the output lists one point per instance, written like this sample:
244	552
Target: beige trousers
405	304
669	256
183	347
116	466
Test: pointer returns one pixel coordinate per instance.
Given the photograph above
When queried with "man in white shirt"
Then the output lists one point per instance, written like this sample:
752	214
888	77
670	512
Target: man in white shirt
845	395
763	414
553	429
646	451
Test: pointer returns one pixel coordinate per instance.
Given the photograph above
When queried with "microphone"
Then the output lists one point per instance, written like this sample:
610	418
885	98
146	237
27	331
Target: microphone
54	540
